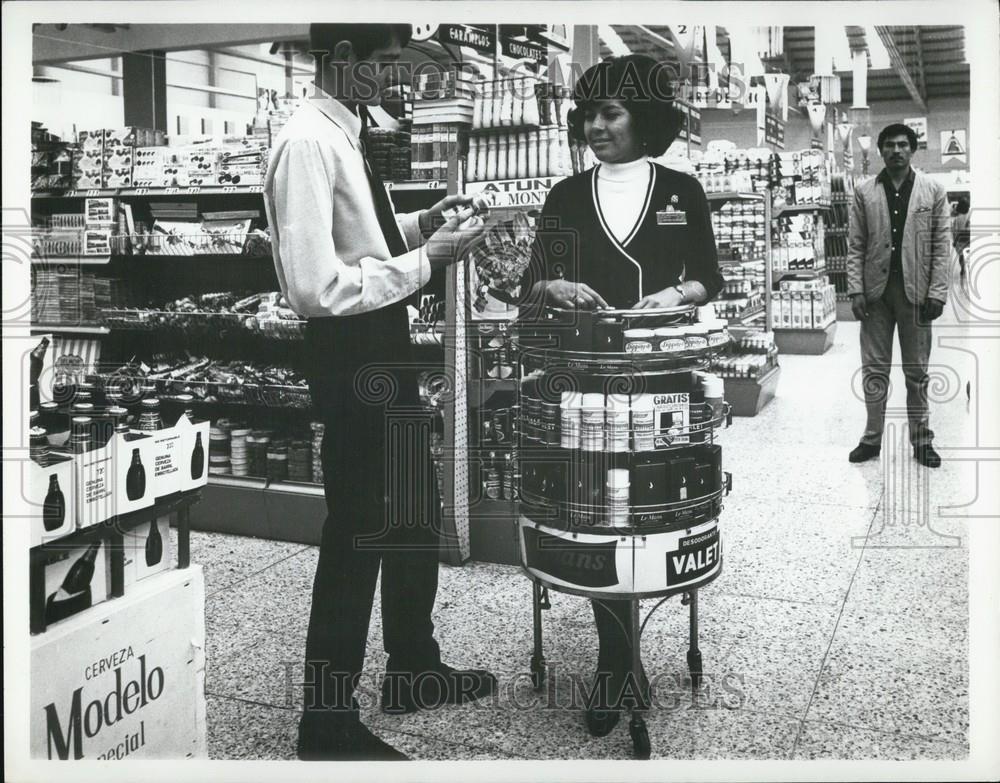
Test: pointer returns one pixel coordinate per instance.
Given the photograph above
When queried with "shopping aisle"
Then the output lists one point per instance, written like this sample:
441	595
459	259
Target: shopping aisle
838	628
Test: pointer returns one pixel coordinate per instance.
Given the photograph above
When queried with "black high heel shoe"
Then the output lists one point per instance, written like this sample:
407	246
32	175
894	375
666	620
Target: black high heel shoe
603	711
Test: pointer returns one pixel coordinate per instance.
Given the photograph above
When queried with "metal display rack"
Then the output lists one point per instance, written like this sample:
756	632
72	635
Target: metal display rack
564	519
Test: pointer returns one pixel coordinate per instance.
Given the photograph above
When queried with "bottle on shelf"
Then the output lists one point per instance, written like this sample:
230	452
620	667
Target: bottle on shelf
477	104
530	109
531	170
555	160
488	95
497	103
149	418
513	150
543	152
507	104
135	478
472	160
54	506
522	155
491	159
36	363
502	156
517	117
154	545
482	161
197	458
74	593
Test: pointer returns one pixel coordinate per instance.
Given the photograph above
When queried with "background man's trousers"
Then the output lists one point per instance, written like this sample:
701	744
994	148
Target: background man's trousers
380	511
894	311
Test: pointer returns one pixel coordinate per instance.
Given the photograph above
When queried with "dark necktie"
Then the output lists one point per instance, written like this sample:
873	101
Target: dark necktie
383	206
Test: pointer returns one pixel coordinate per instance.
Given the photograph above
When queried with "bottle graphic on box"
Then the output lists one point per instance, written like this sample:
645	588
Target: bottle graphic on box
135	479
54	506
197	458
73	594
154	545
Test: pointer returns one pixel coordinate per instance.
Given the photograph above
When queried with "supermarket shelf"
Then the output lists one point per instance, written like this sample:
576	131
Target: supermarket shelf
248	507
197	190
38	328
801	274
415	184
793	209
732	195
70	260
748	396
810	342
240	257
492	131
752	315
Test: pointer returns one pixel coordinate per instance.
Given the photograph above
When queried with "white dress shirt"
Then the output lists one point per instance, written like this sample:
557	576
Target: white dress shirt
329	251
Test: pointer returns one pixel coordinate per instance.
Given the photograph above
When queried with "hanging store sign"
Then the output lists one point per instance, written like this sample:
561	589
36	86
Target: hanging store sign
953	146
481	38
691	130
919	125
774	131
522	50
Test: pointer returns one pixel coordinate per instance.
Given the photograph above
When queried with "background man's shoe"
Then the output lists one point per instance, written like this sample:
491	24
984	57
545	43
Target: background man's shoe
345	743
863	452
926	456
404	692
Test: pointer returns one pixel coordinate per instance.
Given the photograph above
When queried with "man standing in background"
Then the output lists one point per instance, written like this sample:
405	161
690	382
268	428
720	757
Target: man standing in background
347	265
898	269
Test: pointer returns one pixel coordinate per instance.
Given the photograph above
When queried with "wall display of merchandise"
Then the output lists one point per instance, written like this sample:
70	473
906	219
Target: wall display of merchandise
619	467
837	229
202	323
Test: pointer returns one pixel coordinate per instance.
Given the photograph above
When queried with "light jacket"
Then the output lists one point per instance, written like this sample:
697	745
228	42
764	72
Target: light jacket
926	241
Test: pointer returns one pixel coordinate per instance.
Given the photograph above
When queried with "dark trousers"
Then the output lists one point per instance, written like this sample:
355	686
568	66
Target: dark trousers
383	509
894	312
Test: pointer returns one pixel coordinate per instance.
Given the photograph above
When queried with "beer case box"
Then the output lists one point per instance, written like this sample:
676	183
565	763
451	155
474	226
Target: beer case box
125	680
195	453
133	463
94	486
164	471
148	550
776	309
786	312
91	139
796	310
99	212
50	516
61	605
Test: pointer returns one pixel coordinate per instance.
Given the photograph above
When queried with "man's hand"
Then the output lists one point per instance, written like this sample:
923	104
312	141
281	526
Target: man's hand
432	219
668	297
932	309
859	307
573	296
453	239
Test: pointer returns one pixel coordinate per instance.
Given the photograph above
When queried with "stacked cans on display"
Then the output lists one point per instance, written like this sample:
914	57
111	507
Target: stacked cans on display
258	442
318	428
218	449
239	459
277	460
300	461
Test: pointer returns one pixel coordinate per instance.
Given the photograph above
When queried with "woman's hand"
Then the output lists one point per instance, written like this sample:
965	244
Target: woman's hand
573	296
668	297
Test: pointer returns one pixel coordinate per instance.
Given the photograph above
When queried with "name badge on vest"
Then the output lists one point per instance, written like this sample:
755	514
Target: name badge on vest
671	217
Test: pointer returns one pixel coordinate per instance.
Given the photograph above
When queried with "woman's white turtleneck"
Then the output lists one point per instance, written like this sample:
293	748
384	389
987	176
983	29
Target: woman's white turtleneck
621	191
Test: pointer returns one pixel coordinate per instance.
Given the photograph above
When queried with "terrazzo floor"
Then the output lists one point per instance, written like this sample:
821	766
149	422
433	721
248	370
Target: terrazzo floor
837	630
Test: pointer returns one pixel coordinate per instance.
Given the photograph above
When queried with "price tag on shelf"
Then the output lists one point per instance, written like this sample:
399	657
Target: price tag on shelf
228	188
72	193
256	188
93	192
388	184
141	191
171	191
433	184
193	190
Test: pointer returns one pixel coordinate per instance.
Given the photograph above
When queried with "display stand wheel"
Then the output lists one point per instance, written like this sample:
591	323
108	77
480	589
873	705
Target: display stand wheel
640	737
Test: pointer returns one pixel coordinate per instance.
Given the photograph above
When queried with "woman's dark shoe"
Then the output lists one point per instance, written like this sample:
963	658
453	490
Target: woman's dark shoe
613	691
601	722
340	740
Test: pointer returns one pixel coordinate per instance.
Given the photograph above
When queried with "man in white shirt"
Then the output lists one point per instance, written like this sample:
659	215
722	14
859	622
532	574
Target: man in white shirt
347	264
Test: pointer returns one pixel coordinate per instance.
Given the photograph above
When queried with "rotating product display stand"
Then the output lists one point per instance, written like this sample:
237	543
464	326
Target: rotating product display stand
570	539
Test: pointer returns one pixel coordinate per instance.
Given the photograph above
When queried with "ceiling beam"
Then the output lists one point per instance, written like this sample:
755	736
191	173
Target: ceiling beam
921	75
899	66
